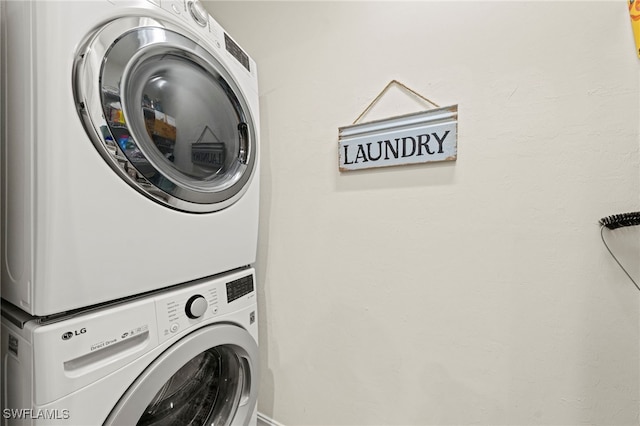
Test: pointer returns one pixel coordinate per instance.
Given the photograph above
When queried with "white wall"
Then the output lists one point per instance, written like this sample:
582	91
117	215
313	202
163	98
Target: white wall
471	292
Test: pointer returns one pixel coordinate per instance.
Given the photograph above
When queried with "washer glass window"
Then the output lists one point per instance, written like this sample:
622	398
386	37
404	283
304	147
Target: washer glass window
205	391
207	377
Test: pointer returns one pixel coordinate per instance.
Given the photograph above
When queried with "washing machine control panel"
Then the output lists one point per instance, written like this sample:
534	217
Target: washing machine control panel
202	301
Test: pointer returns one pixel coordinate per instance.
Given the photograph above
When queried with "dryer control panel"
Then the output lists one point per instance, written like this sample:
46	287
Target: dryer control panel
179	310
194	13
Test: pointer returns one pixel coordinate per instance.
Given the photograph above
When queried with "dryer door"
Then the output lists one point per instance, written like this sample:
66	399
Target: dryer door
166	114
207	378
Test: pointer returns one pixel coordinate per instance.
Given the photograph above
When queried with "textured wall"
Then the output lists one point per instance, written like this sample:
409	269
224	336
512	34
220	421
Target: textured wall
469	292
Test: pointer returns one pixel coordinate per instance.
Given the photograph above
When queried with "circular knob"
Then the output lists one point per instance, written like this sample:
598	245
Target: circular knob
199	13
196	306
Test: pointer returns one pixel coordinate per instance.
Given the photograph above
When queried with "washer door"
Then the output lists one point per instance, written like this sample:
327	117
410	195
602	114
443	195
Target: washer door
207	378
165	114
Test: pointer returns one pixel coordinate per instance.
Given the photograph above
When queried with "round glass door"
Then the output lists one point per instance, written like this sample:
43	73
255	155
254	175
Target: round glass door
207	378
205	391
171	119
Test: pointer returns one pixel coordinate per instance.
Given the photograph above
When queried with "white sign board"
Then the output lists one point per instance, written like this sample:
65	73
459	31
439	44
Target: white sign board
422	137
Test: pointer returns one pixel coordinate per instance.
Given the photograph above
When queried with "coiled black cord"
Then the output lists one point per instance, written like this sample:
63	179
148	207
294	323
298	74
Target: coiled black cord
618	221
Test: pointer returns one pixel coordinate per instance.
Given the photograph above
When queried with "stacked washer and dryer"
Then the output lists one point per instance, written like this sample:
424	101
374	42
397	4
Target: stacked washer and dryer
130	181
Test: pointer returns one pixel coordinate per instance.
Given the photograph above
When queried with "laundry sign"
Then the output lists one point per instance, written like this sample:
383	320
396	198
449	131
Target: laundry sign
423	137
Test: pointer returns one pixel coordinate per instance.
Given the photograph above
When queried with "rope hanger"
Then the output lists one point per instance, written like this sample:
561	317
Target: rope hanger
387	88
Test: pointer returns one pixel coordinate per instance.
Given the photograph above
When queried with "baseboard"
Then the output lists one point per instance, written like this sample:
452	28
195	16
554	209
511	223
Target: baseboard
267	421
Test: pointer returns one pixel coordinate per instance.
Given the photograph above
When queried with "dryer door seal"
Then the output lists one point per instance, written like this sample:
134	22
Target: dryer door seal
166	114
208	377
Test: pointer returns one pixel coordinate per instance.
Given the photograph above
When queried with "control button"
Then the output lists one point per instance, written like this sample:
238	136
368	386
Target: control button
174	327
196	306
199	13
214	310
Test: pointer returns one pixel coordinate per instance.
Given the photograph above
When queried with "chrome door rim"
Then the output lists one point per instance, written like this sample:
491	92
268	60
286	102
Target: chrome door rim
88	87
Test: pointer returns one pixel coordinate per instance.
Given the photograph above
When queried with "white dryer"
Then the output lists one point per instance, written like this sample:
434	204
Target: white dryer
178	357
130	150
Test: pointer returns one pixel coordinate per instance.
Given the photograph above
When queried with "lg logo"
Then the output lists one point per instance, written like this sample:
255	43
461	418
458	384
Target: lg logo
69	334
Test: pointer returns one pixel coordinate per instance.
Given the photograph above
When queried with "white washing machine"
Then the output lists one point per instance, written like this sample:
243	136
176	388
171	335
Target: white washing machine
130	150
178	357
